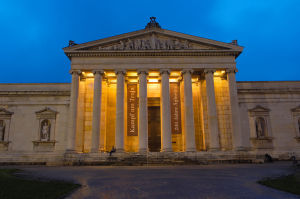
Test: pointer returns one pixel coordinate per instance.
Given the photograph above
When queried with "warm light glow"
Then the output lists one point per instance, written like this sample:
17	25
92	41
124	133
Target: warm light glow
175	73
89	74
132	80
219	73
110	74
152	73
194	79
131	74
153	80
113	81
173	80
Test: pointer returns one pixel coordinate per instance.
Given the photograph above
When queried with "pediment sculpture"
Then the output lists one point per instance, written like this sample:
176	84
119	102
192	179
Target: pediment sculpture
149	44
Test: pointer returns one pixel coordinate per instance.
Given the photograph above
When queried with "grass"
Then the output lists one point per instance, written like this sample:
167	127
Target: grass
289	183
14	187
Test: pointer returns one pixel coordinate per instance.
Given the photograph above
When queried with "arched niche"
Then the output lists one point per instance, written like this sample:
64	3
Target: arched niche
45	134
260	128
5	120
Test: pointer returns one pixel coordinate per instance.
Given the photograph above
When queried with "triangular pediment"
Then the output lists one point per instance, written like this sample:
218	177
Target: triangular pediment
296	109
3	111
154	39
46	110
259	108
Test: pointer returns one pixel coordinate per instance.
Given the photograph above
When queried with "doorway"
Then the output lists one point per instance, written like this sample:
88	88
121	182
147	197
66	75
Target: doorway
154	134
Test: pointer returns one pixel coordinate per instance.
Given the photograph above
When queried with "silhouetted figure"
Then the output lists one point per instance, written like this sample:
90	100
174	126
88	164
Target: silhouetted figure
293	158
268	158
295	161
112	151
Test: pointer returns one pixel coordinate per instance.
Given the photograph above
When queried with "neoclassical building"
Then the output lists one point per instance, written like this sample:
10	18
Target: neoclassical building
151	93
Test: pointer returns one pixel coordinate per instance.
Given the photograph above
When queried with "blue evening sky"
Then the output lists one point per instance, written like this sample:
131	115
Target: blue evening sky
33	33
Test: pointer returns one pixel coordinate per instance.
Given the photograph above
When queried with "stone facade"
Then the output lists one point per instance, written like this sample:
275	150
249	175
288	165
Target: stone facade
186	105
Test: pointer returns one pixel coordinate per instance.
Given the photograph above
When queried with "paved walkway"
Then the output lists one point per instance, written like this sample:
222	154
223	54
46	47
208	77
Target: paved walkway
163	182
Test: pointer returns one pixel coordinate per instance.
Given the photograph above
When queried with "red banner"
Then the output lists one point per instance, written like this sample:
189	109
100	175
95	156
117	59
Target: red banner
132	126
175	108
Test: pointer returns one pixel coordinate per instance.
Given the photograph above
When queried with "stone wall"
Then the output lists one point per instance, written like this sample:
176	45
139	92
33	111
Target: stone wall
24	101
279	98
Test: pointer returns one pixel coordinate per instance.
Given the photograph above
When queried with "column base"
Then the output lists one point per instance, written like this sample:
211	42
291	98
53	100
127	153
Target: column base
144	150
120	151
166	150
95	151
190	150
242	148
71	151
213	149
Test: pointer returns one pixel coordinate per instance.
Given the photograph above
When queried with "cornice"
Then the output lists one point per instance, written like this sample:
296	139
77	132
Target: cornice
34	93
151	53
268	91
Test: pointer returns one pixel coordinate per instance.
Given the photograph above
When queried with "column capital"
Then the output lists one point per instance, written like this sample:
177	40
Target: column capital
120	71
167	71
208	71
101	72
231	70
142	71
187	71
77	72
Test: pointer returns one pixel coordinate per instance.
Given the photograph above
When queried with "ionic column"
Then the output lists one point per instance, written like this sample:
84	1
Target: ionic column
188	111
120	111
143	111
96	110
166	136
212	110
73	110
235	116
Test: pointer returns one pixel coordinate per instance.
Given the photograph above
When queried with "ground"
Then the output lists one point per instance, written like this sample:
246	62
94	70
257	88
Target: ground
198	181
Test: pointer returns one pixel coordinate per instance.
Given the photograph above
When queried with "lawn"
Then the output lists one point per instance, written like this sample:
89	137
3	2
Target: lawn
289	183
14	187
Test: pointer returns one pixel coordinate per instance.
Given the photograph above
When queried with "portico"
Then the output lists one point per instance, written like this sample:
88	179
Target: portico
179	87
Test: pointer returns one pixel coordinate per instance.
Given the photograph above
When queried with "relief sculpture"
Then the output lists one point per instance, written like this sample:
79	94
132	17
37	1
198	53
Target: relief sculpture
149	44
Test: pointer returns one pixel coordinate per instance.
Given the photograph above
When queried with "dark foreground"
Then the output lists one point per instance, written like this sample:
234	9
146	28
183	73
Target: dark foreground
13	186
199	181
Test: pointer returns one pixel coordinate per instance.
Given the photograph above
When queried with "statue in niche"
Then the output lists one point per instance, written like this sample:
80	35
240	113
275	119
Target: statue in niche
260	127
45	130
2	130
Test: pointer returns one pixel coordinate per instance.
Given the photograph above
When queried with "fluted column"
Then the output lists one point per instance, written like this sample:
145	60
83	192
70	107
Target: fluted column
73	110
96	110
235	116
212	110
166	136
143	111
188	111
120	111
